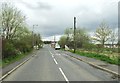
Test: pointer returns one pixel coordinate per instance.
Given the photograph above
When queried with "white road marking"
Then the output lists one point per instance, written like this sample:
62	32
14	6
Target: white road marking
4	76
51	54
60	68
55	61
64	75
58	54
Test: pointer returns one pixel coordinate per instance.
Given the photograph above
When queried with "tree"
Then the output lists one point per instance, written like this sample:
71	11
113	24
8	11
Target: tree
15	34
37	40
113	37
12	19
68	32
22	32
102	33
81	37
62	41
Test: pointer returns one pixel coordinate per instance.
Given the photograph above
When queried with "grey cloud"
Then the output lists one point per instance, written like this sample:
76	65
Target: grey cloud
91	19
59	18
40	6
50	30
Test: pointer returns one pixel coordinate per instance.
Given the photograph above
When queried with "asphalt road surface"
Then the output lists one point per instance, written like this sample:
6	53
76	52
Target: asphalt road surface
54	65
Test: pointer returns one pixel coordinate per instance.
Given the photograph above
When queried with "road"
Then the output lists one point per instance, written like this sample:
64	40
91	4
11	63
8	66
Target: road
54	65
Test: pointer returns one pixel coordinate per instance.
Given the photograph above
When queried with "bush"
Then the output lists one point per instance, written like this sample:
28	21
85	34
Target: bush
89	46
22	46
8	49
13	48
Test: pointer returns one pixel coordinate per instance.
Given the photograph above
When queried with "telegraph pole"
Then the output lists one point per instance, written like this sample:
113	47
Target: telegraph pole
74	34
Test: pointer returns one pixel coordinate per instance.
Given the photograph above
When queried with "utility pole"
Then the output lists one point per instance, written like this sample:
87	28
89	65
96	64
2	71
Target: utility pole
74	34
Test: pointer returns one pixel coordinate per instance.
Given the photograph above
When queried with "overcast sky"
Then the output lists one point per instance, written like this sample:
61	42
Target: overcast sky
54	16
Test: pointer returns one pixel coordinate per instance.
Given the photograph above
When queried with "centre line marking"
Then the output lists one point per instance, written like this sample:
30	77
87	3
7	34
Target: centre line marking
55	61
63	75
51	54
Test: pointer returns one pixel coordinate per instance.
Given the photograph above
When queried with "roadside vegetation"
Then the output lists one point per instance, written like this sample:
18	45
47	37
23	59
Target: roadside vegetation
103	45
17	39
101	56
12	59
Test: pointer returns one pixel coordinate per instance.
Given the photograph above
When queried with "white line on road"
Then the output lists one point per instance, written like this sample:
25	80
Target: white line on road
63	75
4	76
60	68
51	54
55	61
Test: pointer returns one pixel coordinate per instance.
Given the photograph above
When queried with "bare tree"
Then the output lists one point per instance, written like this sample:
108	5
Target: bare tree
12	19
113	37
102	33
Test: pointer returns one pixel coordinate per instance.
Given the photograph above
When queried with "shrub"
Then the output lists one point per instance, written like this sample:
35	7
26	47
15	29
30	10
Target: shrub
22	46
8	49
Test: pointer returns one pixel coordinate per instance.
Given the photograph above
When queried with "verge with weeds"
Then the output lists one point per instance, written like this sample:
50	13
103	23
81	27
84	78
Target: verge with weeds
12	59
114	60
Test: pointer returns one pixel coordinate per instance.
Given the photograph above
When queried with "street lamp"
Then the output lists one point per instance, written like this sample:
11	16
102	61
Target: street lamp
33	35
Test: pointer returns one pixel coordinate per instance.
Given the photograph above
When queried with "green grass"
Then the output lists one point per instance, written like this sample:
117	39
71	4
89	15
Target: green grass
63	49
13	59
99	57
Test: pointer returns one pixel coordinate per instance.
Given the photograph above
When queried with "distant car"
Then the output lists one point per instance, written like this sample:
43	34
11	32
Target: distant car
57	46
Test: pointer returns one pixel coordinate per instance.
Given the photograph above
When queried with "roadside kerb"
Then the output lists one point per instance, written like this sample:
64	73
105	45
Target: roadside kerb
99	67
12	70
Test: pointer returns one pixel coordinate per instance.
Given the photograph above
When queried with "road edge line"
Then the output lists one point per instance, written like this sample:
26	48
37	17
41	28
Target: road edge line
99	67
13	69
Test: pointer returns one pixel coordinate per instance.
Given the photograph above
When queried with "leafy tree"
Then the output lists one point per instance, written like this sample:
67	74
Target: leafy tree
81	37
62	41
12	18
37	40
16	37
68	32
47	42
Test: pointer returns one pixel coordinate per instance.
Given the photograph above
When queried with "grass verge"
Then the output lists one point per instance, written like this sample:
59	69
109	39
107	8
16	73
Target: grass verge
107	59
13	59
